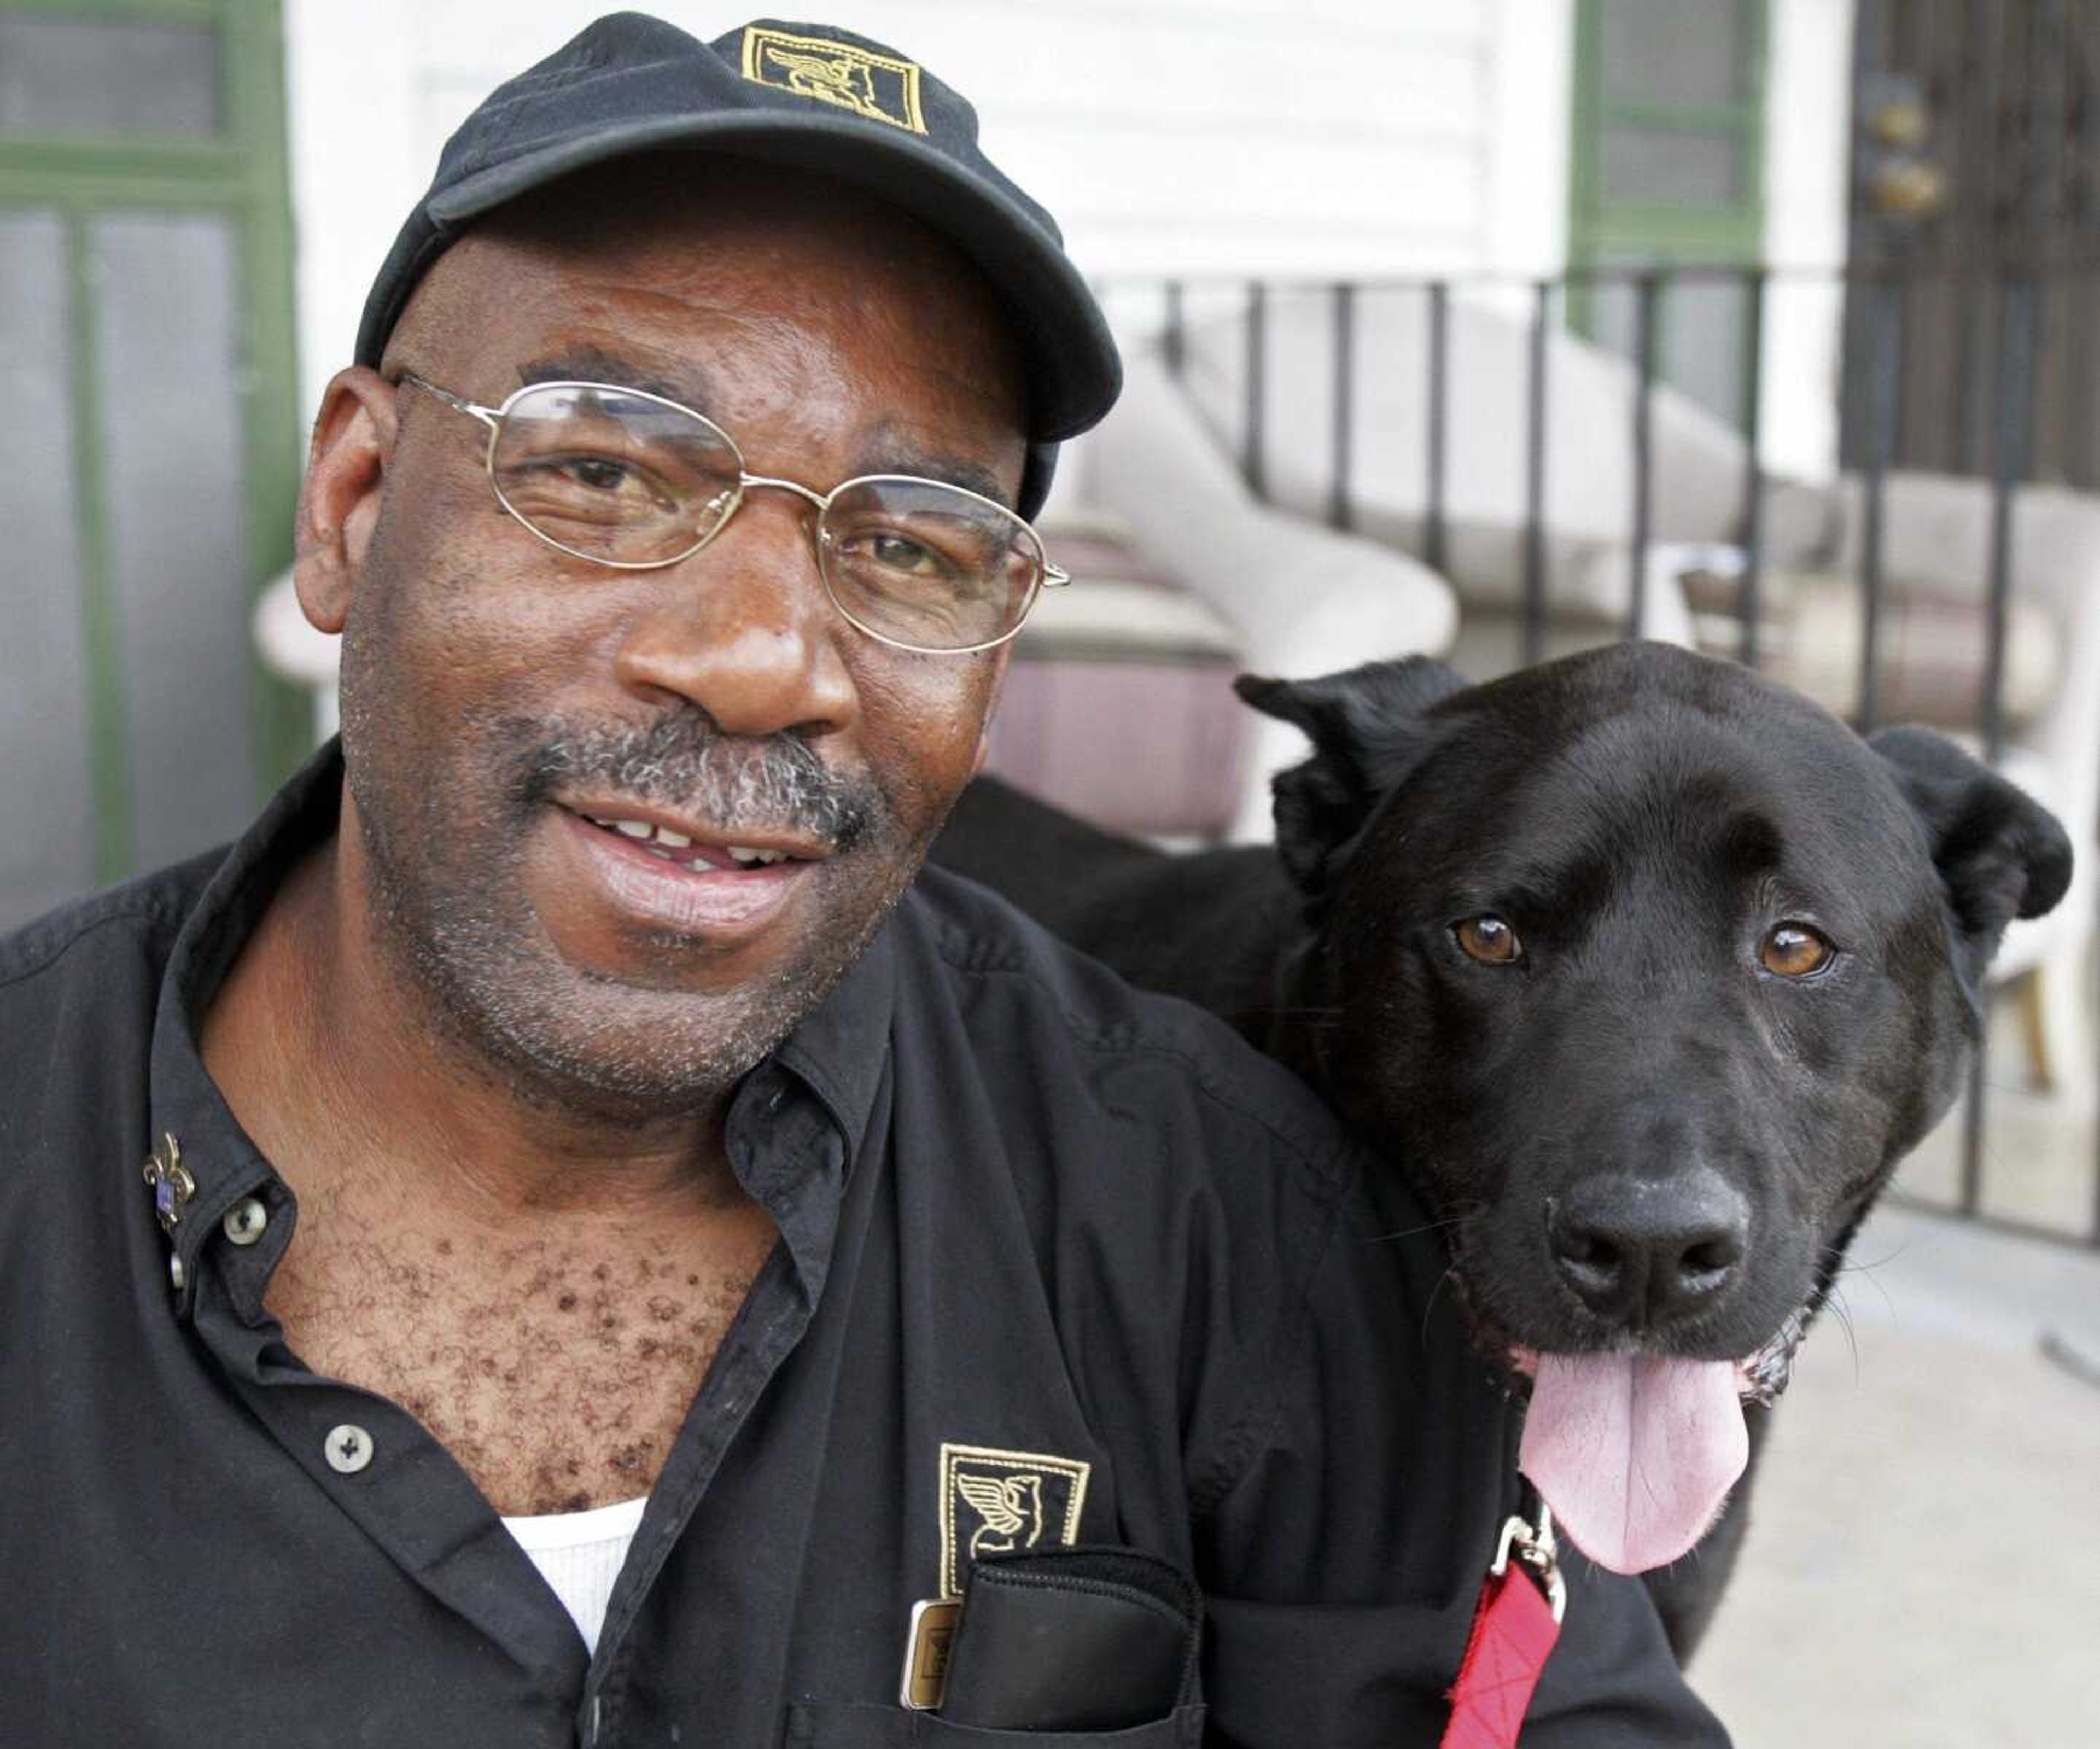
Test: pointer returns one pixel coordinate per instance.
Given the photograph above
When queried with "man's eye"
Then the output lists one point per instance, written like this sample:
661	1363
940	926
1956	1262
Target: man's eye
899	553
581	482
596	472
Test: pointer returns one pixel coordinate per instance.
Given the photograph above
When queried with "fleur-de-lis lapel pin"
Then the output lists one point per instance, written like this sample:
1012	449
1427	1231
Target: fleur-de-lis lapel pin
172	1185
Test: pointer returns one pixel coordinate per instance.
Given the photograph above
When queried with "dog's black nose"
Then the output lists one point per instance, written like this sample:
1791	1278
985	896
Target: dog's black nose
1643	1252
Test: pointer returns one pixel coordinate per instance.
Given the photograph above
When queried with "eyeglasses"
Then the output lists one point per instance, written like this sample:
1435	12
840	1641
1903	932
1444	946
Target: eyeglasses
630	480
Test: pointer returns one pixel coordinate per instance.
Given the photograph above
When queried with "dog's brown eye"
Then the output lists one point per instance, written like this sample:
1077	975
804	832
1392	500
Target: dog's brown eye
1794	950
1489	940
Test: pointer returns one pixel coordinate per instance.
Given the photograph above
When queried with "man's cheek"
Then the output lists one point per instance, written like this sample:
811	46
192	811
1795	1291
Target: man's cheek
995	689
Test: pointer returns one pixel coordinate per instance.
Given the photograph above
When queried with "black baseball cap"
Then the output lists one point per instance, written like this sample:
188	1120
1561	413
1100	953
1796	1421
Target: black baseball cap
809	96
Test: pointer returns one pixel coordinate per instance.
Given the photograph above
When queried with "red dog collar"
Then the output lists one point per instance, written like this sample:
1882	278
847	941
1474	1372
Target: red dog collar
1514	1629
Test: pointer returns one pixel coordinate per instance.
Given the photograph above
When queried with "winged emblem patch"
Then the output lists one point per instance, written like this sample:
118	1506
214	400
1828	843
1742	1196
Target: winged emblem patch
996	1503
876	87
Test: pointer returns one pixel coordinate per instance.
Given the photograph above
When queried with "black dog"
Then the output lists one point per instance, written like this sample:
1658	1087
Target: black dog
1645	969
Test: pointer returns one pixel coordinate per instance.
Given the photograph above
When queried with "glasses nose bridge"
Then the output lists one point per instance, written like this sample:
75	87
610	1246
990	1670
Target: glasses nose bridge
820	502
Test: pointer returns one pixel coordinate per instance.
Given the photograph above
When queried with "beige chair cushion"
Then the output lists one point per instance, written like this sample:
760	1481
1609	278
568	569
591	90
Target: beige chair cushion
1932	645
1118	606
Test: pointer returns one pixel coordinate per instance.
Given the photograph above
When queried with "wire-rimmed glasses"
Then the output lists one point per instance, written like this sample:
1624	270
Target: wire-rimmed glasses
628	479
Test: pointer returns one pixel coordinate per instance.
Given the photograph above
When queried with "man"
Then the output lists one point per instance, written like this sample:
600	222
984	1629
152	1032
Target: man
560	1137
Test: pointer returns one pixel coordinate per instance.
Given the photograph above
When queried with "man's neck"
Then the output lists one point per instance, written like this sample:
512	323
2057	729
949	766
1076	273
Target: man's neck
336	1063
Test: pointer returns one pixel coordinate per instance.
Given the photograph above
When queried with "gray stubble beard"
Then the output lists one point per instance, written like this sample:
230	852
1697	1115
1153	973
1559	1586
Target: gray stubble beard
510	1016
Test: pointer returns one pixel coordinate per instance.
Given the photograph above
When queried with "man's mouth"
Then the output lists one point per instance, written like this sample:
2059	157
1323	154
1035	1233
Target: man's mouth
685	848
677	874
1635	1453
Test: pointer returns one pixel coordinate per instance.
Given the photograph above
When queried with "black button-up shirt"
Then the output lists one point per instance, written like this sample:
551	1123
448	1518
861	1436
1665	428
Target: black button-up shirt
1032	1225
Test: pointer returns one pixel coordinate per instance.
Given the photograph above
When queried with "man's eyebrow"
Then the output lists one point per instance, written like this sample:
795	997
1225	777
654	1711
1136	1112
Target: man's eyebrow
589	363
888	456
883	454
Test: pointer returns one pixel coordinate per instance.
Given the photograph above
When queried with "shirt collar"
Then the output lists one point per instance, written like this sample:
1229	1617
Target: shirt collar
220	1166
841	1050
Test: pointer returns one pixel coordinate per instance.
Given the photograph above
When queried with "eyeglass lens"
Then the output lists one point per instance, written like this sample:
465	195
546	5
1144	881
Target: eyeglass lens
611	475
621	477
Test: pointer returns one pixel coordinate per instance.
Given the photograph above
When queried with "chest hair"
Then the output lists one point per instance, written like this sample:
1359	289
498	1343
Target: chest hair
556	1374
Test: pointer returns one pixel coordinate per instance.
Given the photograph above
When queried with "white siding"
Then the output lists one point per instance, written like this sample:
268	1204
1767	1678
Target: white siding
1313	138
1808	129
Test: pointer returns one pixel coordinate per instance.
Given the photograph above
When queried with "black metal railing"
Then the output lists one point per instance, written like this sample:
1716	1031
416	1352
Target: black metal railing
2019	299
1161	312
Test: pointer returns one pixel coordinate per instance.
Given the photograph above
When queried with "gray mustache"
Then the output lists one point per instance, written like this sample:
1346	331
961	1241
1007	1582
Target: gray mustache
734	783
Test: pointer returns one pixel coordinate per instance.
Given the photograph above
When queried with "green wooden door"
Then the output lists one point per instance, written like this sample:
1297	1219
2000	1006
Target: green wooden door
150	457
1667	168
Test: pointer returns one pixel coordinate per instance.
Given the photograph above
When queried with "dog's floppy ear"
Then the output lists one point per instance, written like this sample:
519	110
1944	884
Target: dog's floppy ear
2001	853
1366	728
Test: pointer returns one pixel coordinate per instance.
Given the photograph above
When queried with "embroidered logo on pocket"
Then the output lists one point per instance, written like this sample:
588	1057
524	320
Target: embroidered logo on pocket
880	87
997	1503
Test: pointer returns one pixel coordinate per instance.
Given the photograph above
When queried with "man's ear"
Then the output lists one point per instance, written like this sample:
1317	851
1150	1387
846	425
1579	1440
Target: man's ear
339	500
1368	726
2000	854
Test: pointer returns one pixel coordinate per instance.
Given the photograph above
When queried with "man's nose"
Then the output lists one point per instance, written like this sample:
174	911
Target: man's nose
744	629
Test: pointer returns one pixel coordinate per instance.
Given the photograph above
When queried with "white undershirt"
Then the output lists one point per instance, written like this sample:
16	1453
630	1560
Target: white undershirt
580	1555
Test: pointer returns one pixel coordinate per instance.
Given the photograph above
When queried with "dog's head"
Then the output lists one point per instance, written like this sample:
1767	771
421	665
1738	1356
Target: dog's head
1647	971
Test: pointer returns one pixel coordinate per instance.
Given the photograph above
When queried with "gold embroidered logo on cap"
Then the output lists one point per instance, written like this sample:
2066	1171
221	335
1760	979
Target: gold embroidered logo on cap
999	1503
878	86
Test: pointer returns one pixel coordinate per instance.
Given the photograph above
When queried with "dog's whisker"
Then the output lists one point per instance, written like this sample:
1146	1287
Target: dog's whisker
1862	1265
1427	1226
1452	1221
1843	1313
1866	1272
1450	1275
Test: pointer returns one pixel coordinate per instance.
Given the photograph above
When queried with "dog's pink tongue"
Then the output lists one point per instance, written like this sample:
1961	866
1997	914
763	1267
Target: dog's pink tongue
1634	1454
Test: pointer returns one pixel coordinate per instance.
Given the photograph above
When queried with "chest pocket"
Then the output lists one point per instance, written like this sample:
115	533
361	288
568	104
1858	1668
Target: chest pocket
859	1725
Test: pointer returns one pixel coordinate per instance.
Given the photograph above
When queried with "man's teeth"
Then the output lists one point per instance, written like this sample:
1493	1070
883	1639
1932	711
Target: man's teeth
661	841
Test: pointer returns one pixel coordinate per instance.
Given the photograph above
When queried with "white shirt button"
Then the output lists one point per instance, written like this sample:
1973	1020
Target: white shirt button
349	1449
175	1274
245	1220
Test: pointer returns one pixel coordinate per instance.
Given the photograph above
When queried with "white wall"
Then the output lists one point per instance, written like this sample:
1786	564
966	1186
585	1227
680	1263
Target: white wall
1318	138
1807	138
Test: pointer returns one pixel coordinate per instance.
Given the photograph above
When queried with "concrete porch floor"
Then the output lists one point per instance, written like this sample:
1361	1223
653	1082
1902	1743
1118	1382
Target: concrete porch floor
1920	1569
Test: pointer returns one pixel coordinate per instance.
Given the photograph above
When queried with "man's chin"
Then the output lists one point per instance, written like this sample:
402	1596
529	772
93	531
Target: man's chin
590	1046
636	1021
